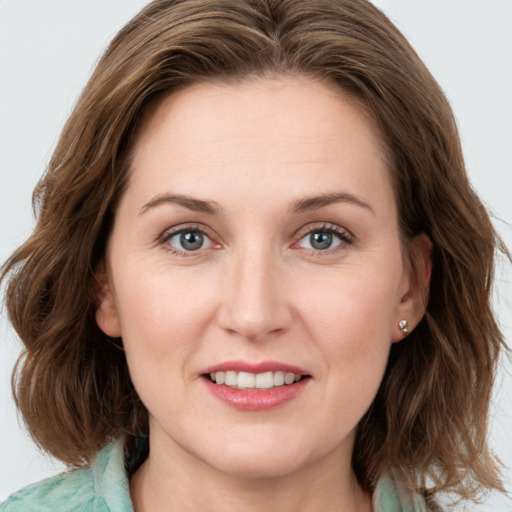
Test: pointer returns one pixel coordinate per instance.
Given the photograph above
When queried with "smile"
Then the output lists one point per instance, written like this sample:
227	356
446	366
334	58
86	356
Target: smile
247	380
250	386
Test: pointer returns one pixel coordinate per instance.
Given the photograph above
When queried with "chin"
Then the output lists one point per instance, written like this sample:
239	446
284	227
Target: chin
260	468
268	459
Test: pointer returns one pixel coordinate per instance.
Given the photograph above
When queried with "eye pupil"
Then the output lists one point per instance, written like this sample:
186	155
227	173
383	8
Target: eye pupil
320	240
191	240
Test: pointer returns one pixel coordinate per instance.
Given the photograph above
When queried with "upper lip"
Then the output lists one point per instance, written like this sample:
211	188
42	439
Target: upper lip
252	367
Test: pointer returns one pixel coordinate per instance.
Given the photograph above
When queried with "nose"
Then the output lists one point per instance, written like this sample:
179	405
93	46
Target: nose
255	304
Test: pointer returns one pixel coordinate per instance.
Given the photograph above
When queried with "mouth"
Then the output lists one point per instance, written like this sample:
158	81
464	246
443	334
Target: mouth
249	386
258	381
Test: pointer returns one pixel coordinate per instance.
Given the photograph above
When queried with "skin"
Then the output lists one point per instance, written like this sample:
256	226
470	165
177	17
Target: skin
257	290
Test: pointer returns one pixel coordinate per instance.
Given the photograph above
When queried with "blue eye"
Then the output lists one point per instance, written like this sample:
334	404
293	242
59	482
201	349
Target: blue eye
189	240
322	239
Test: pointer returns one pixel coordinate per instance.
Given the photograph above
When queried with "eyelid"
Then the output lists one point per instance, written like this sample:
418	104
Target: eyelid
164	238
347	238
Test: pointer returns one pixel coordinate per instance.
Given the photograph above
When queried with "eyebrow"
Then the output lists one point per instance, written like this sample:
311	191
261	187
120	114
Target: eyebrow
212	208
190	203
316	202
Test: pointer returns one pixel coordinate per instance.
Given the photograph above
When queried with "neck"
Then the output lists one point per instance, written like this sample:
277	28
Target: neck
177	481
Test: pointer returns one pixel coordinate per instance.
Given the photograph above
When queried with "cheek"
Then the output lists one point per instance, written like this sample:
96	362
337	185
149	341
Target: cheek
351	319
163	322
163	317
360	303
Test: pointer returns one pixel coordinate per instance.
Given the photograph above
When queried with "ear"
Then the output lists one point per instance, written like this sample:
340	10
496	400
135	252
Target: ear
415	286
107	316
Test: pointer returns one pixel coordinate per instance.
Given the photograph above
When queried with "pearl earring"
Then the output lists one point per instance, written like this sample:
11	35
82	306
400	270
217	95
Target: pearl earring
404	327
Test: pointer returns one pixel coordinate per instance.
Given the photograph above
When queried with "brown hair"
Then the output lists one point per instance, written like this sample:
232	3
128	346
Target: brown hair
429	419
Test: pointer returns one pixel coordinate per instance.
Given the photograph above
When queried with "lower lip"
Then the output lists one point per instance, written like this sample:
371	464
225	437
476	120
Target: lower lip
256	399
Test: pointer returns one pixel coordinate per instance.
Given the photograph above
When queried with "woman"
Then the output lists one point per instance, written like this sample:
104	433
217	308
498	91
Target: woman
252	274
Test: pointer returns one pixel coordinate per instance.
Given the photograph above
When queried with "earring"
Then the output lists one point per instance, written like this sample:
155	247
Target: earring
404	327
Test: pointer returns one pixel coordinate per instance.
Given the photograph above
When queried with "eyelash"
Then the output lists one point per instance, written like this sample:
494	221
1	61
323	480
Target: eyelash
346	238
168	235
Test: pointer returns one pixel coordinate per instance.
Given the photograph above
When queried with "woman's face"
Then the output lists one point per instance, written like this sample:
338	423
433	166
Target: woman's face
257	243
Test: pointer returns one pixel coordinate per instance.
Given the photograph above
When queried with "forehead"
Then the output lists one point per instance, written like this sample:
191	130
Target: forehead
259	133
249	97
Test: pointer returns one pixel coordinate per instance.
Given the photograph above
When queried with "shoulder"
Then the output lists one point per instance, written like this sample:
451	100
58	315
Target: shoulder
390	496
101	488
67	492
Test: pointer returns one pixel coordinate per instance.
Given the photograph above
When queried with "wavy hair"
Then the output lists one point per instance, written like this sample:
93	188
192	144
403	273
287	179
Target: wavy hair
71	384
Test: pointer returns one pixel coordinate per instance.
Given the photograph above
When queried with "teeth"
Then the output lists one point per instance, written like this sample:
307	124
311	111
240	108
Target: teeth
231	379
289	378
264	380
246	380
278	378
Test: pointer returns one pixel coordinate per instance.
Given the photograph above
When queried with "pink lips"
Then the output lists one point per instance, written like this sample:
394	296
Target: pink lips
264	366
255	399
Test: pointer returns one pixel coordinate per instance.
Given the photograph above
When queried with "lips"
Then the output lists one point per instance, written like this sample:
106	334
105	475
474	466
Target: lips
247	380
249	386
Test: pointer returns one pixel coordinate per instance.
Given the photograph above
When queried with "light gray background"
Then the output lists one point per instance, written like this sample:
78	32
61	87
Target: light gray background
48	49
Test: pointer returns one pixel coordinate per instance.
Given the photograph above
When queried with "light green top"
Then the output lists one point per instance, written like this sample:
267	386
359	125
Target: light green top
104	488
